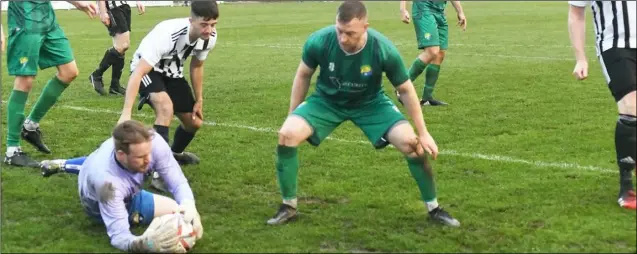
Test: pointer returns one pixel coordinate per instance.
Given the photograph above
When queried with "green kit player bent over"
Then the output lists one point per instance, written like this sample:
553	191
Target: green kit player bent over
432	35
353	59
35	40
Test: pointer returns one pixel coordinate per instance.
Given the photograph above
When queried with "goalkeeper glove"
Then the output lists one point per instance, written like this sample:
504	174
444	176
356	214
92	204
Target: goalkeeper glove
192	216
158	238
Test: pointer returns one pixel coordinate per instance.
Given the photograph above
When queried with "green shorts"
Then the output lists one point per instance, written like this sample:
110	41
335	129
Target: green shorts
375	120
431	30
26	51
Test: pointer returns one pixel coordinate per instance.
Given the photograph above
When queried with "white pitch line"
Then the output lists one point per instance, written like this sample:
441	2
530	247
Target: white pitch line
498	158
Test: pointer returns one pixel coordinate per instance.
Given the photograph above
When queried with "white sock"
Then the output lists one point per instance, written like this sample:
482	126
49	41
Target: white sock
11	150
30	125
290	202
431	205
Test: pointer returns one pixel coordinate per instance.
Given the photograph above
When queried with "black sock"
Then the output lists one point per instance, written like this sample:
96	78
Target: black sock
182	139
162	130
118	67
625	141
104	64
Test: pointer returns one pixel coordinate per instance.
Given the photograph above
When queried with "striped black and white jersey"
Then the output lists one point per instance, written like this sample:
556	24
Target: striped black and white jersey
614	22
113	4
167	47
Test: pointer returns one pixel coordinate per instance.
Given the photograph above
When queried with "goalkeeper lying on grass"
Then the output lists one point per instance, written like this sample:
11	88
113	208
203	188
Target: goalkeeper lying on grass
110	181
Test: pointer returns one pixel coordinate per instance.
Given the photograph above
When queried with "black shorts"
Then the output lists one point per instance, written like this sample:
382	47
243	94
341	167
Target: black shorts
618	65
177	89
120	20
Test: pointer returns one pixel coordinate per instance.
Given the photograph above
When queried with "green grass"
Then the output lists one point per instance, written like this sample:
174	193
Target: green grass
507	79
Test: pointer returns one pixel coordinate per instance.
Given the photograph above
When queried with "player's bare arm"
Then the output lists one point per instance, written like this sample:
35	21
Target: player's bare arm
86	6
141	9
577	35
412	104
104	17
196	78
132	88
462	20
301	85
404	13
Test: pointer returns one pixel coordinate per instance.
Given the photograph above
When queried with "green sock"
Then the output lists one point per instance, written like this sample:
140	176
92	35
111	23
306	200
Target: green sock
431	76
287	166
15	116
425	181
49	96
416	69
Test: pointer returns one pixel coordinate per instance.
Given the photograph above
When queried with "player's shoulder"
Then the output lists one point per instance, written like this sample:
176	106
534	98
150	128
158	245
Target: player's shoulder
323	34
171	26
379	38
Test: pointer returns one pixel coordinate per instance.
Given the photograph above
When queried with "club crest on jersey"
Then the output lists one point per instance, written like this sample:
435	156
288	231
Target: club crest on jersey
427	36
366	70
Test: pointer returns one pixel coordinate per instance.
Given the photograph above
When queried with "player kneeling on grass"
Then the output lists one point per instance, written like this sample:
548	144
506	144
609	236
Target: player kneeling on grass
352	59
110	181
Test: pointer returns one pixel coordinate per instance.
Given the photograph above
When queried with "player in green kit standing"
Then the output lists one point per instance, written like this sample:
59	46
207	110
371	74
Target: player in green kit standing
352	60
432	34
35	40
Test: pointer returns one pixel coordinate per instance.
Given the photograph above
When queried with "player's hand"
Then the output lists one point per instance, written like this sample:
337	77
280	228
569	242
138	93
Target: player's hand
191	215
462	21
197	110
404	16
105	18
581	70
141	9
429	145
158	238
88	7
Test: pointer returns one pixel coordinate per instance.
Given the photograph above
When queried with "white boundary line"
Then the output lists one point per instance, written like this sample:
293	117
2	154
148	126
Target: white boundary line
498	158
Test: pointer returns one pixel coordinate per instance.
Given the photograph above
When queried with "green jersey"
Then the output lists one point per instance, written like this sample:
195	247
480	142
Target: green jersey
353	80
428	6
31	16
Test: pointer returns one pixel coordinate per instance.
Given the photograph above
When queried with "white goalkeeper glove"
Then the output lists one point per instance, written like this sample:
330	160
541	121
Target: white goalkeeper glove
188	208
158	238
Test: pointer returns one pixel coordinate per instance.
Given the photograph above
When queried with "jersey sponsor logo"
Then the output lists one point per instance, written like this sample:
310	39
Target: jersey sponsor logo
366	70
347	85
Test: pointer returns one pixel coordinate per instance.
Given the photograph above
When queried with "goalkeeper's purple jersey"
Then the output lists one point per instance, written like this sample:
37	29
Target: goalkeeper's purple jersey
101	168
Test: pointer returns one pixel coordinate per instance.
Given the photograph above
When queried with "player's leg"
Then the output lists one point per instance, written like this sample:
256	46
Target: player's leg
70	166
118	30
152	91
433	69
619	68
56	51
428	41
121	42
23	52
183	103
313	121
383	124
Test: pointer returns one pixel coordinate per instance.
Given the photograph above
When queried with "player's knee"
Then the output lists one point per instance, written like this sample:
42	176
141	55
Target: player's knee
122	47
433	52
68	74
163	106
627	105
194	125
23	83
441	55
289	137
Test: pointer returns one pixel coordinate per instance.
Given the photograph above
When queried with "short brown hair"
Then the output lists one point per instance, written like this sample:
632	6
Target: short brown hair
351	9
130	132
206	9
